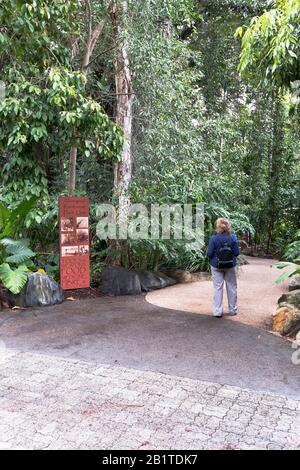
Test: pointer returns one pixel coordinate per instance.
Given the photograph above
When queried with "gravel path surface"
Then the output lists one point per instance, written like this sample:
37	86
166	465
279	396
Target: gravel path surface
257	294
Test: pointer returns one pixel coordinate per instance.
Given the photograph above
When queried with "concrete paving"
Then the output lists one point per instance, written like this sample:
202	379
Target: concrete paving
130	332
120	373
49	402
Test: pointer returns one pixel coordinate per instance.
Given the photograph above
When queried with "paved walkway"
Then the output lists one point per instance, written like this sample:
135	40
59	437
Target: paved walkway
130	332
55	403
121	373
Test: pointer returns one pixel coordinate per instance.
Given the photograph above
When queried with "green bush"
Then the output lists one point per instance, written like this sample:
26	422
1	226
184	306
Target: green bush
292	251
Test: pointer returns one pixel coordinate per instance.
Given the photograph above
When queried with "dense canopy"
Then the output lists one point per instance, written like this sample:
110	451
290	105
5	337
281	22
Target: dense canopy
177	101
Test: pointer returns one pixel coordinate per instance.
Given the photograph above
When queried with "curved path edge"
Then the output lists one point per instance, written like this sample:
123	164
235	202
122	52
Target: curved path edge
130	332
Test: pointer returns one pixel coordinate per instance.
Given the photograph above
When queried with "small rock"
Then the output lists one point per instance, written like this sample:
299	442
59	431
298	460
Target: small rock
294	283
292	298
280	317
286	321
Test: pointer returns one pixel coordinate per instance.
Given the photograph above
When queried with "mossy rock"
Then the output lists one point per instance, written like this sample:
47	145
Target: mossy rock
292	298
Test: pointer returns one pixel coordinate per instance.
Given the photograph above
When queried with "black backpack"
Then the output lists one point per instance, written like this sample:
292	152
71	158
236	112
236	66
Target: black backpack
225	256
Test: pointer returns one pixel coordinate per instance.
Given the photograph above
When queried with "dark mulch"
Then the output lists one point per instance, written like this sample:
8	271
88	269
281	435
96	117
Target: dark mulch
79	294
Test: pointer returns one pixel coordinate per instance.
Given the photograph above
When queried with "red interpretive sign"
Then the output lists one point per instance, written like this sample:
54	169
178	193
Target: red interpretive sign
74	242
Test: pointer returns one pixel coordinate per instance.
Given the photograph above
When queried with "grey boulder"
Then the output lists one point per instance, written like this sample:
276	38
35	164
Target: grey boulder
156	280
39	291
116	281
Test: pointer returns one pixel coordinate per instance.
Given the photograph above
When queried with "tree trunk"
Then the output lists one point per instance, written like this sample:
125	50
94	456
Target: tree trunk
275	169
72	171
124	113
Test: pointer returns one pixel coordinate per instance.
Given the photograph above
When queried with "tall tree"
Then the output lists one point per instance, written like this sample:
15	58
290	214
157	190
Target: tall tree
124	107
48	107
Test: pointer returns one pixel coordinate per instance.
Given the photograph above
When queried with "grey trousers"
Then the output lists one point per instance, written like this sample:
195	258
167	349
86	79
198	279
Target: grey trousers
218	277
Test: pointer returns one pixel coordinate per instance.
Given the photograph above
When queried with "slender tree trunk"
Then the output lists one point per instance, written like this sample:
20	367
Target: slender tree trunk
275	169
72	171
124	113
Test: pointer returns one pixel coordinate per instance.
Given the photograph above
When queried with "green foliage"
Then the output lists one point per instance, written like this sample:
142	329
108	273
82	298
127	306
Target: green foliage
13	279
15	257
200	134
13	222
96	269
40	29
48	106
50	263
158	254
55	113
18	251
270	45
240	222
292	269
292	251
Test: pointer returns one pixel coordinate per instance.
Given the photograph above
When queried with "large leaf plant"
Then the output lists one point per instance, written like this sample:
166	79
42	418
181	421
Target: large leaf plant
15	254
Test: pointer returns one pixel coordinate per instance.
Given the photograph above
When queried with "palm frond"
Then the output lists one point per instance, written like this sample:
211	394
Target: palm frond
291	271
10	243
17	249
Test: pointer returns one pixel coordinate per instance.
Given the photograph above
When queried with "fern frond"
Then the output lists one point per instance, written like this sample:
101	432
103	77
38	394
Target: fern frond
10	242
20	256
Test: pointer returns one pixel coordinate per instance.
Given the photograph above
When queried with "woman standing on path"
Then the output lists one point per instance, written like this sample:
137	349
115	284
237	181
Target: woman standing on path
223	250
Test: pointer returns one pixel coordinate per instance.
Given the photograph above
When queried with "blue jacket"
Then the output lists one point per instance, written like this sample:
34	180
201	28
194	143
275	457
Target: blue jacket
216	241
